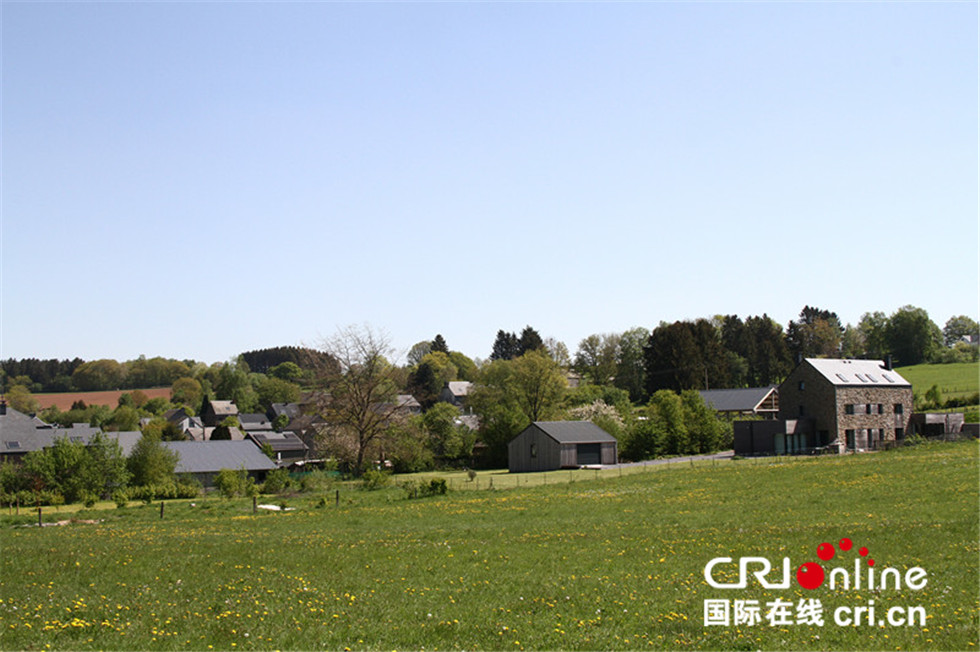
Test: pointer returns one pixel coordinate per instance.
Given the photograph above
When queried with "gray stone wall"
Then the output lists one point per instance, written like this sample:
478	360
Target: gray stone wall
827	403
816	396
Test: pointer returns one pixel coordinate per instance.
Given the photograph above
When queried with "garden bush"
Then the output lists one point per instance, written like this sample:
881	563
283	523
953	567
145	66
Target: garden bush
277	482
373	479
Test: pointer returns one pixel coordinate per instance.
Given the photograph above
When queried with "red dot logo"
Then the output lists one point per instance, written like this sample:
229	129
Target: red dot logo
810	576
825	551
845	544
863	552
871	562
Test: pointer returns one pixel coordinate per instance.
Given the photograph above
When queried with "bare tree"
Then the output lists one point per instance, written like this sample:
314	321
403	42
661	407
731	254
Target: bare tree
357	402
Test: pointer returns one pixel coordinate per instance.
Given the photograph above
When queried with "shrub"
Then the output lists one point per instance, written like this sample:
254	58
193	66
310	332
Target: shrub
438	487
317	481
373	479
231	482
420	489
89	500
150	492
188	489
277	482
121	498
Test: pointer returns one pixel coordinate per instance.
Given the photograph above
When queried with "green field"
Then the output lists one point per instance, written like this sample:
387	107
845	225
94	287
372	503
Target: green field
959	380
607	563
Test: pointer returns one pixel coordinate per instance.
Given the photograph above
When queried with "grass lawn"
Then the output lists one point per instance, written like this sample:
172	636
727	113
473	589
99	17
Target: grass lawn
600	563
955	380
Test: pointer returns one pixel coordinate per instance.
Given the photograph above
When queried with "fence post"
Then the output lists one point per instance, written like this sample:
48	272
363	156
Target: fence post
39	516
161	509
255	503
336	498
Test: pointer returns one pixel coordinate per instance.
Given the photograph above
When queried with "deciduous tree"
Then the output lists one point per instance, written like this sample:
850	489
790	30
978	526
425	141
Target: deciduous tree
912	336
959	327
817	334
358	398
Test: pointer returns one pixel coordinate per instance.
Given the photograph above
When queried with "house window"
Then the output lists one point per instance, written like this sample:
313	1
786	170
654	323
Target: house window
802	385
849	436
849	408
899	408
881	409
802	410
534	450
899	434
867	409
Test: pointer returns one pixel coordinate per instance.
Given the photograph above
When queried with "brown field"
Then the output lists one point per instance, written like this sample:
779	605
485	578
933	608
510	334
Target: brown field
64	401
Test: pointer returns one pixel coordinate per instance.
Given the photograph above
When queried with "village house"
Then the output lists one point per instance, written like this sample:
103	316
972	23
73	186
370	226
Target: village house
832	404
214	412
205	459
286	446
455	392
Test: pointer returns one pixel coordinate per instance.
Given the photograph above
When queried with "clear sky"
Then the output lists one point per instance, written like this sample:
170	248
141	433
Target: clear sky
194	180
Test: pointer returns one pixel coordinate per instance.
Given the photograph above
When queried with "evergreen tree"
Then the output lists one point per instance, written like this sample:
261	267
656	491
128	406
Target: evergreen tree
530	340
505	347
439	345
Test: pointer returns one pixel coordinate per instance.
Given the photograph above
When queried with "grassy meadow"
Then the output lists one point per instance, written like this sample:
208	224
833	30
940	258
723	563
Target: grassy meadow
960	380
604	562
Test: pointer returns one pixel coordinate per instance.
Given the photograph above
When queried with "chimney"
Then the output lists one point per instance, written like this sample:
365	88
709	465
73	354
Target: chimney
888	362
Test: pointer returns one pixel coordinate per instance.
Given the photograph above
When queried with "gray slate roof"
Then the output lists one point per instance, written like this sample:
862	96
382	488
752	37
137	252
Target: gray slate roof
574	432
224	408
254	421
735	400
291	410
407	401
212	456
459	387
19	433
860	373
280	441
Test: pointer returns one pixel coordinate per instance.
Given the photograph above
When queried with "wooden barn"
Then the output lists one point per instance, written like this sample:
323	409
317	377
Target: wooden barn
550	445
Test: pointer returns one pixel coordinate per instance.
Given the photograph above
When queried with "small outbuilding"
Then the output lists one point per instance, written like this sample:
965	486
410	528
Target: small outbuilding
551	445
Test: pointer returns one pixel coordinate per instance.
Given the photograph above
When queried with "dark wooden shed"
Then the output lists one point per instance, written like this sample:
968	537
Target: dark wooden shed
550	445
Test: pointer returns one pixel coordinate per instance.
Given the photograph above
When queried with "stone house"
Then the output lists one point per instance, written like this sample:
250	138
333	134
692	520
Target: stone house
842	405
455	392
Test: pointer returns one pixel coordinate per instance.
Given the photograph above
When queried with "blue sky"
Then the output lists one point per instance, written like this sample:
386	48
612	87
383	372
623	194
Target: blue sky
194	180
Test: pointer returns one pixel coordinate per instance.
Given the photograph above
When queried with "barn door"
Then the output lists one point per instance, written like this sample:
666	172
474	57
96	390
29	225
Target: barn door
589	454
